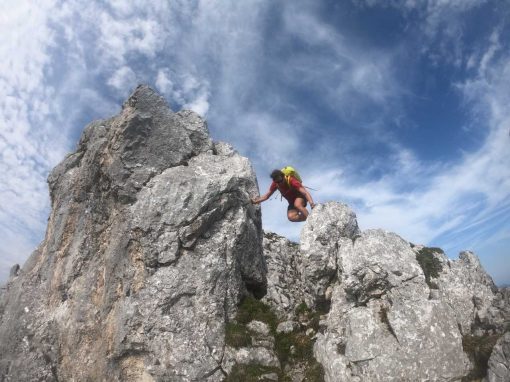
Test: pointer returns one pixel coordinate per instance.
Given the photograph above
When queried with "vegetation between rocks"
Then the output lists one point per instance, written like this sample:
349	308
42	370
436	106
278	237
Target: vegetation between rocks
430	264
237	335
291	348
252	373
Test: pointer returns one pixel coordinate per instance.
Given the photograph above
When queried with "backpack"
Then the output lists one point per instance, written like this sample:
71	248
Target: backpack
289	171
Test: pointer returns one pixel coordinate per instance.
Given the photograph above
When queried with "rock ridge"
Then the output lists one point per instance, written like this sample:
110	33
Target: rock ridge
155	267
390	307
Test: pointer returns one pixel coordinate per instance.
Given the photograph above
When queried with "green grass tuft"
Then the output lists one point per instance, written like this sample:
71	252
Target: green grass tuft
430	264
314	373
294	347
253	309
237	335
291	348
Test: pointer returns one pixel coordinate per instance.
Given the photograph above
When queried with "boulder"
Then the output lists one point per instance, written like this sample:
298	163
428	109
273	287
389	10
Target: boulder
329	228
382	324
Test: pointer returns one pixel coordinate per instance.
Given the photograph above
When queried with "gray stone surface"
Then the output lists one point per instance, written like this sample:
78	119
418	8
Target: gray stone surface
257	355
382	325
261	352
385	321
499	362
150	245
287	326
152	242
330	227
284	285
468	289
498	315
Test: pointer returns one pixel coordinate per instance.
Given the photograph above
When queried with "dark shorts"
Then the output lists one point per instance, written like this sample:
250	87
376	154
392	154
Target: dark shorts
293	207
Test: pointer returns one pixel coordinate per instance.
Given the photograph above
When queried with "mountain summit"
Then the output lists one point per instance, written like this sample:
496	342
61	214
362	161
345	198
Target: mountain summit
155	267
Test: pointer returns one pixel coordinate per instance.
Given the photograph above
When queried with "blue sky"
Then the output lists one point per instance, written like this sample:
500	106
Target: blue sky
399	108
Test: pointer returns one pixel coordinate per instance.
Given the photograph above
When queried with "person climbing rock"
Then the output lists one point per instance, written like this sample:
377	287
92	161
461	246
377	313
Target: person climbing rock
292	190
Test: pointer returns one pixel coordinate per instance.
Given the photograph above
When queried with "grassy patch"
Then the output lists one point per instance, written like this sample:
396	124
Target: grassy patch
291	348
297	347
302	308
253	309
312	316
479	349
250	373
430	264
237	335
314	373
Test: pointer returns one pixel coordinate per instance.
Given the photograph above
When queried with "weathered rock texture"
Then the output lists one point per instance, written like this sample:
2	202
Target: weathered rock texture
391	317
284	285
382	323
499	362
151	244
465	286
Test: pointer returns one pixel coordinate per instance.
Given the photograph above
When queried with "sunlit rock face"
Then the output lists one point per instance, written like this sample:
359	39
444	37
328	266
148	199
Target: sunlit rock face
150	246
393	307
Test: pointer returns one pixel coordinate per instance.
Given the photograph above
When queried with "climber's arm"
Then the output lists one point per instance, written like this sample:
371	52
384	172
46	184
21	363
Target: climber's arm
264	197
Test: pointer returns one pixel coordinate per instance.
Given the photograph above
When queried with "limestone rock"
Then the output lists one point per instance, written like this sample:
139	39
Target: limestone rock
256	355
284	286
287	327
467	288
261	352
498	315
330	227
382	324
151	244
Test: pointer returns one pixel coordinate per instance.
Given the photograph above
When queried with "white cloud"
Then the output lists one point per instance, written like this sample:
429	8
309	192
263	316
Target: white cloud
165	85
30	146
67	65
350	79
200	104
123	80
460	205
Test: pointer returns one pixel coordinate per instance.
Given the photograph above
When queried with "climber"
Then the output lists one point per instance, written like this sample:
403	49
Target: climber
293	191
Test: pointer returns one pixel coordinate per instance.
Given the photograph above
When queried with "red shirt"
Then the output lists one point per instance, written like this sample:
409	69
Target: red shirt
288	192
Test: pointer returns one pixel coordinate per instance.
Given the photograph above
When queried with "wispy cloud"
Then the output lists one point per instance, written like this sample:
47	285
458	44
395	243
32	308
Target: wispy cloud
29	144
455	205
276	80
346	76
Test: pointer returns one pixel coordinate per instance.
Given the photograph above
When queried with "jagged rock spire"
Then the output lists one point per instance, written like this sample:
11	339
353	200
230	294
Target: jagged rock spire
150	246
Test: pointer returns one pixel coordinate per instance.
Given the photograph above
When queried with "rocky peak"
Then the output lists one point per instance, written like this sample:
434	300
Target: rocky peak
151	244
155	268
